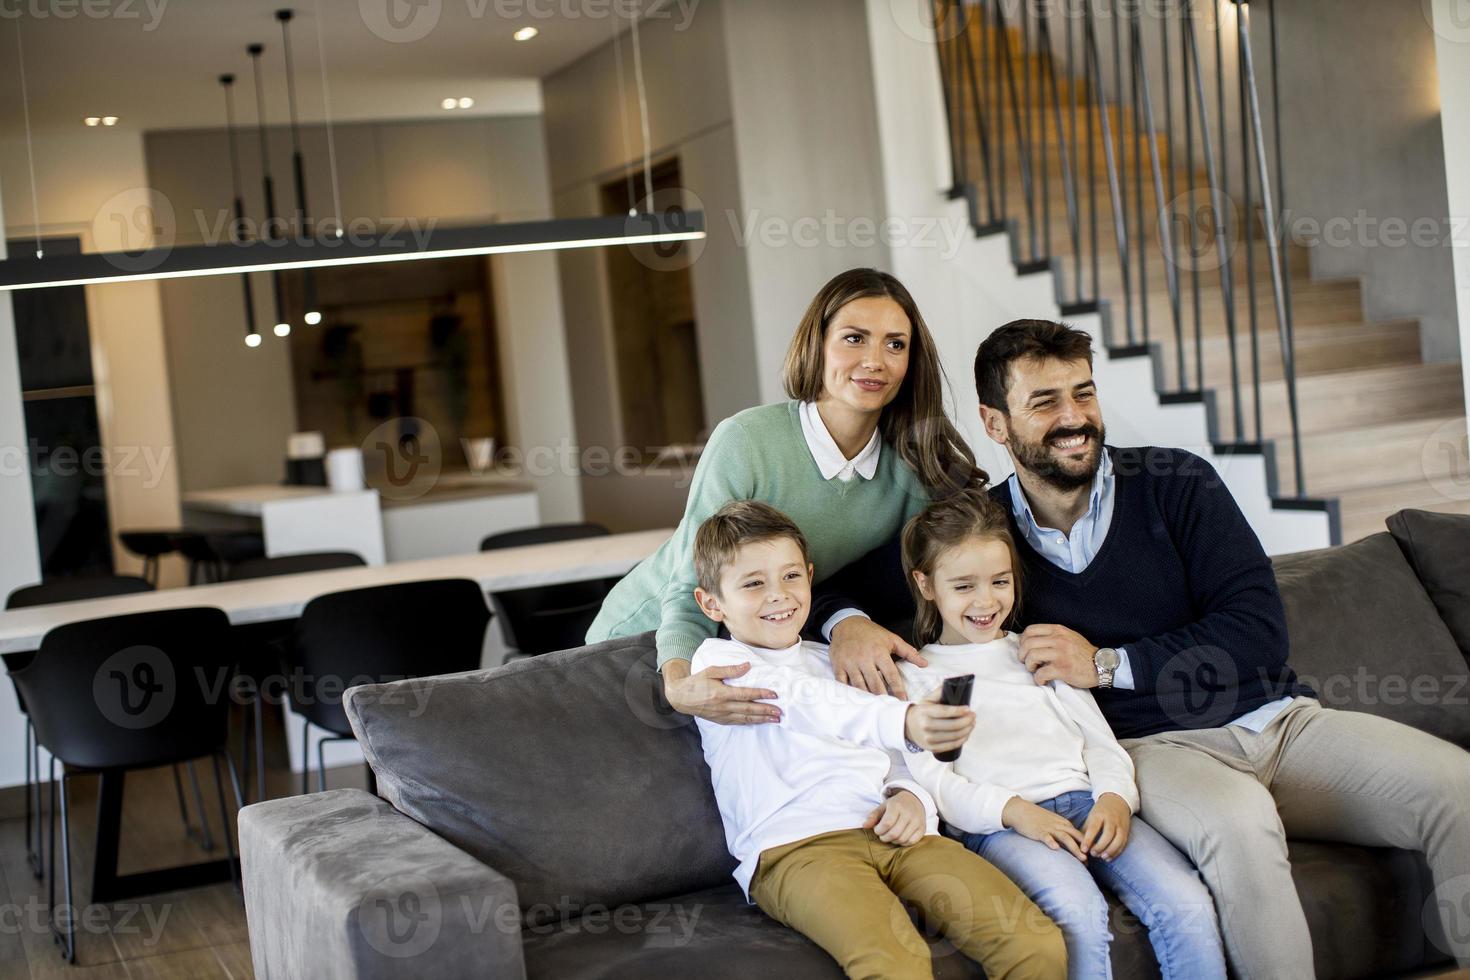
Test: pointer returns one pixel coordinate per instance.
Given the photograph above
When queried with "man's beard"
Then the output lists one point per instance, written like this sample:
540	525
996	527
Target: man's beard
1037	459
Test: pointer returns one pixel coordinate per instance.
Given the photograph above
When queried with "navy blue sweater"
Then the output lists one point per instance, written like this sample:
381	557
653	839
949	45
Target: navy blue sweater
1181	581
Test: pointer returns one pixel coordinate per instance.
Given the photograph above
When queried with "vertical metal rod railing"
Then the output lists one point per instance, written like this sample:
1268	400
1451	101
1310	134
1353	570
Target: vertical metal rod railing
940	10
1095	108
1042	56
1248	231
1142	83
1171	253
1064	152
1026	49
1140	235
1218	205
1186	22
1281	210
1070	41
1124	242
1023	147
1120	230
1273	245
1225	212
996	34
968	58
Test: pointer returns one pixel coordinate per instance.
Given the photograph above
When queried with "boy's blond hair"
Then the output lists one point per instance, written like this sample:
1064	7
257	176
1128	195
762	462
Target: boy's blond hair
736	524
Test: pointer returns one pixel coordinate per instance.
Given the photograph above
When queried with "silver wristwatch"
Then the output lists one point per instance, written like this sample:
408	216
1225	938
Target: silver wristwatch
1106	660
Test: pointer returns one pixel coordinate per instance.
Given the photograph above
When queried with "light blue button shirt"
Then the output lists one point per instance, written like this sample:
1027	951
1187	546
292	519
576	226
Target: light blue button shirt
1074	552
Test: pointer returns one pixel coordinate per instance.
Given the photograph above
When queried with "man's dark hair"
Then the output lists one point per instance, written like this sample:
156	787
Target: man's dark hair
1022	340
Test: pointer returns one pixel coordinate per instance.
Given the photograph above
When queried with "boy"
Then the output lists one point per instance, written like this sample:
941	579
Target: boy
828	839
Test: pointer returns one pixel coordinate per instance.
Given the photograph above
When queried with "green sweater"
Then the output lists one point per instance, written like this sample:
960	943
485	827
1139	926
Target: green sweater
758	454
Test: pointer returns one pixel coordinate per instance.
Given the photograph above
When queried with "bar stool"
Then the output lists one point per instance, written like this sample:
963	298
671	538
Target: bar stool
211	553
150	545
145	709
374	635
56	590
547	617
268	642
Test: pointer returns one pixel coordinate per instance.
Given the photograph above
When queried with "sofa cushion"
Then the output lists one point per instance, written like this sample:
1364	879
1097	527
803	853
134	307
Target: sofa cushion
1438	548
1365	635
568	773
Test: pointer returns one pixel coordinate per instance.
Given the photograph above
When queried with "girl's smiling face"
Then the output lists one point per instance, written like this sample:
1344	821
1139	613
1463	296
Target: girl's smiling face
974	589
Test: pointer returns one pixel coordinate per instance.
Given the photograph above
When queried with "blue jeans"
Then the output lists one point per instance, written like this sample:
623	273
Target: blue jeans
1151	877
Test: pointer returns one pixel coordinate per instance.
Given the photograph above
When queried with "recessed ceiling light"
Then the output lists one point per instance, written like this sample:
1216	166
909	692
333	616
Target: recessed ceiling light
526	33
448	103
466	102
93	120
109	120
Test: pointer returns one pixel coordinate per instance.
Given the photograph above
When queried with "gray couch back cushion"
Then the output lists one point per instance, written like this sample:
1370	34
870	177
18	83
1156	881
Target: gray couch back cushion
568	773
1438	547
1365	635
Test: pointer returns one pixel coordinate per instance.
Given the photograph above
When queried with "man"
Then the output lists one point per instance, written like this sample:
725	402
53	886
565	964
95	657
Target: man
1175	623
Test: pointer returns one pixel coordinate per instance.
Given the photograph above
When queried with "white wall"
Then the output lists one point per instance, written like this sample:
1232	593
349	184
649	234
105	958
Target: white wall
1452	58
20	563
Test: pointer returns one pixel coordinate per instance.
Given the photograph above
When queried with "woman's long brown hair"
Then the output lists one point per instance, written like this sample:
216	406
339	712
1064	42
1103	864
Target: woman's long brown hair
914	423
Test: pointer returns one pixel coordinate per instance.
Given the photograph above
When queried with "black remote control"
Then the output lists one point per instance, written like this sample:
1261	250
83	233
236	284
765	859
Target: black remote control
956	691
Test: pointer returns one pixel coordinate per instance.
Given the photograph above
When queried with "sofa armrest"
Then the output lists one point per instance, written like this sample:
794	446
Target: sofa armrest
342	886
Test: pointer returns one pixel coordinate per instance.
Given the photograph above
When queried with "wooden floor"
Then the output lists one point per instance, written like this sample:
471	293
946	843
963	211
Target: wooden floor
198	934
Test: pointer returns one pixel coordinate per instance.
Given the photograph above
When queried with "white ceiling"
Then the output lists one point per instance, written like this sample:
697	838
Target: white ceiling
155	63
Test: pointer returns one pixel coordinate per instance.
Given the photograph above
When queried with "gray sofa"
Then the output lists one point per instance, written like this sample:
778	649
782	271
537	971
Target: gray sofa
553	817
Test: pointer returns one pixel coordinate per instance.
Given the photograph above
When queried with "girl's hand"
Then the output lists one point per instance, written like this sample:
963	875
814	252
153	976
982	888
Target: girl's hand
1105	831
899	820
862	655
706	695
1040	824
938	727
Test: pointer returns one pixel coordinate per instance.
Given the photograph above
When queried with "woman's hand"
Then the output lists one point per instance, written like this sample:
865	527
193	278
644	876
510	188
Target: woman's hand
899	820
1105	831
1040	824
862	655
706	695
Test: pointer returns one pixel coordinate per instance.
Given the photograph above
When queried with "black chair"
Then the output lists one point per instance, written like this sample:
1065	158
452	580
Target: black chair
548	617
266	643
117	694
373	635
56	590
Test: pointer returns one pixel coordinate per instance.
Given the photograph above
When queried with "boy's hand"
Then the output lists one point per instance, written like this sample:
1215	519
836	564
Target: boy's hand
1040	824
900	819
1105	831
938	727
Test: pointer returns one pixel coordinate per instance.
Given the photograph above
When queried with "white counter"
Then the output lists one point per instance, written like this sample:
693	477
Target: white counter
295	520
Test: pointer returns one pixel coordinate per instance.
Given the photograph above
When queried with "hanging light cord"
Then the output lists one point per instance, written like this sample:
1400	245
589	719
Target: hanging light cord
321	53
623	112
25	102
265	158
228	81
642	114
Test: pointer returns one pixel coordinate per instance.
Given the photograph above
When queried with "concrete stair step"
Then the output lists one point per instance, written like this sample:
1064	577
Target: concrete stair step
1345	401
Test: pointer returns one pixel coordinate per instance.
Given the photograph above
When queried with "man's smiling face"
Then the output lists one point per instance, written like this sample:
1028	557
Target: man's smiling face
1054	427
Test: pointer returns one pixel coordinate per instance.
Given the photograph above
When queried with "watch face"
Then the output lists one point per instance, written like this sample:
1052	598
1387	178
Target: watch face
1107	659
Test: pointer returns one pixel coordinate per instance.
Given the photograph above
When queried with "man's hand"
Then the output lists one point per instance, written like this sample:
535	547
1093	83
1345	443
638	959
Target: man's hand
938	727
862	655
899	820
1040	824
1105	832
705	695
1055	653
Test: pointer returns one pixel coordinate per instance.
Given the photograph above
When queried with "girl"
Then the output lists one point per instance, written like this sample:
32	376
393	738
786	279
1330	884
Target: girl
859	449
1042	789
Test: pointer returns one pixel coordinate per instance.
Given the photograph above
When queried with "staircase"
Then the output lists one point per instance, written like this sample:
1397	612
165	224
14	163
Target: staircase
1377	425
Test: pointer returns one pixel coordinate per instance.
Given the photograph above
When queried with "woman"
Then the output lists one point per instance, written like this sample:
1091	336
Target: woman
863	445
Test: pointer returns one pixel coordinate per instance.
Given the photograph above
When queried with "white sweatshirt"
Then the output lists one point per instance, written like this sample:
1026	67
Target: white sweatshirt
1032	741
825	766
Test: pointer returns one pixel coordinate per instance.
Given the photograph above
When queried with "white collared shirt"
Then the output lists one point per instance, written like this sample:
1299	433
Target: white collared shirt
830	460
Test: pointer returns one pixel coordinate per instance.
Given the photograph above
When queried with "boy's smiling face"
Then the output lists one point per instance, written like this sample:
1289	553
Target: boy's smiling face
765	594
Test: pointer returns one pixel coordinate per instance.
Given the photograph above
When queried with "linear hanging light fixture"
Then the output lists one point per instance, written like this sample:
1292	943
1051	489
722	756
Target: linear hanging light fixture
283	326
227	82
311	315
392	245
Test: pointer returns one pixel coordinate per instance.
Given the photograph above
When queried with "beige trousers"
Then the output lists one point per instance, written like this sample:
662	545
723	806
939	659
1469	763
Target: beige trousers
1229	798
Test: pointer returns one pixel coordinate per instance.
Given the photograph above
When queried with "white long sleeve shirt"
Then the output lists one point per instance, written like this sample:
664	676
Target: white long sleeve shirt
825	766
1032	741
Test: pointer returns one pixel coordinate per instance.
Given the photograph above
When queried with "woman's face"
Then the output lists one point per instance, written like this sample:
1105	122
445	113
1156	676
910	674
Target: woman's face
866	354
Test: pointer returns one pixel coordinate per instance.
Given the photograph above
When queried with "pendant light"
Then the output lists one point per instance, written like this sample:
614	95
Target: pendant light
312	316
227	82
282	327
